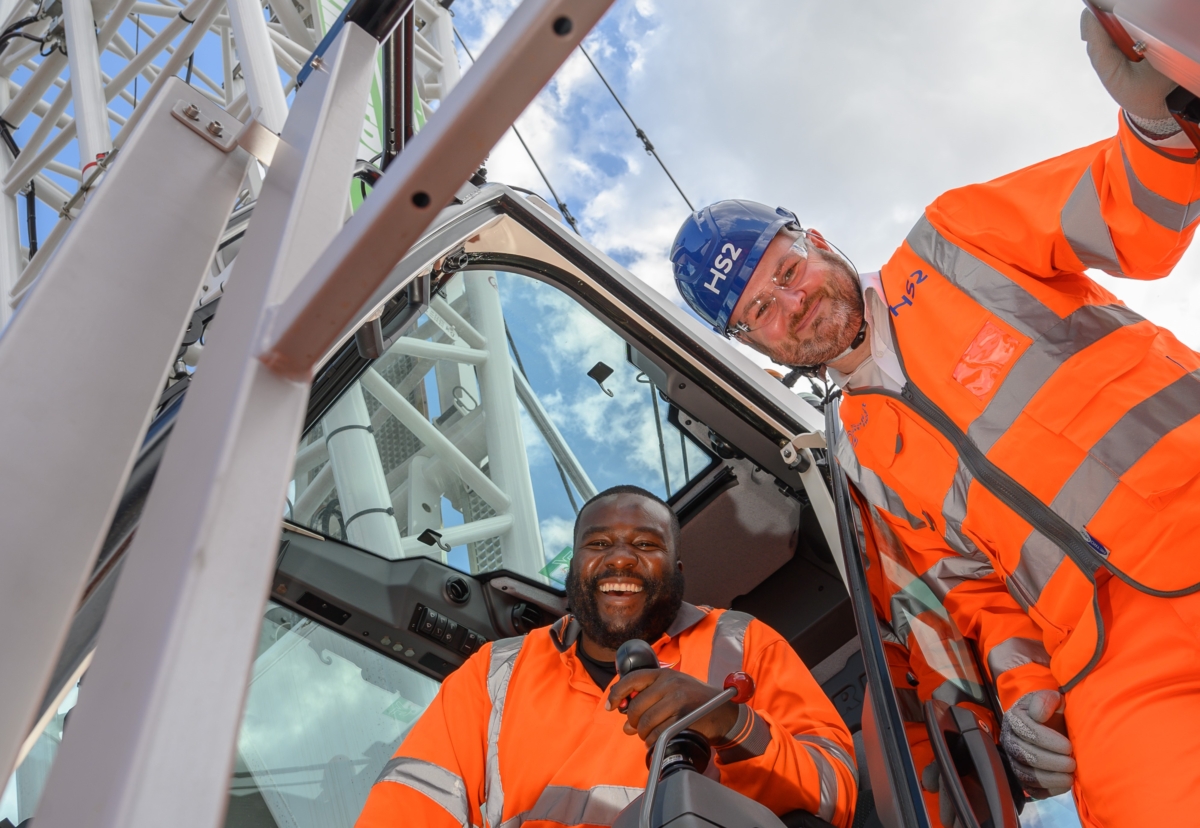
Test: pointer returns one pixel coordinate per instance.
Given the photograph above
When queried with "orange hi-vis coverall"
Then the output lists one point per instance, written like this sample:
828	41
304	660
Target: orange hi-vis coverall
1050	435
518	736
927	655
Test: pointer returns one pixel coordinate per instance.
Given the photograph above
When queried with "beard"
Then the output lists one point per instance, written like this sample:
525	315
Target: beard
832	331
663	599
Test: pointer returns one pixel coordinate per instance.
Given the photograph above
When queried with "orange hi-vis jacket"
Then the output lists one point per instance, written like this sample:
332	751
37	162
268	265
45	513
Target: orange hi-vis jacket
1046	432
518	736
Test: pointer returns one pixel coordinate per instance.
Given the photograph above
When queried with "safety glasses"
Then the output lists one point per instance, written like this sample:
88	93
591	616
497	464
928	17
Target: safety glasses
765	307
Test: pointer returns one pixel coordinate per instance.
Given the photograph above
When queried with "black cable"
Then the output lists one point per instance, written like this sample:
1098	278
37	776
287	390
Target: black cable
188	77
30	194
562	207
638	130
31	218
137	46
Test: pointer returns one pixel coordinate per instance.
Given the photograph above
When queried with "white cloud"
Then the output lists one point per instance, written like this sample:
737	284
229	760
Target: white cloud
856	115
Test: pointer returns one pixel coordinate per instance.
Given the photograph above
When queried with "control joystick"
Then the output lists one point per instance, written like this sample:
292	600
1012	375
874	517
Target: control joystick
634	654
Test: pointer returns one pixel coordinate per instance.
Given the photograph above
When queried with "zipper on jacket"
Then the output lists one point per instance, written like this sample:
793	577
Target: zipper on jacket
1011	493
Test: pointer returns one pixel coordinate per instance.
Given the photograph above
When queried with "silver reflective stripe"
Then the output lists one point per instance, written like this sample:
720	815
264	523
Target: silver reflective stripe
572	806
949	572
1016	652
443	787
1077	331
755	744
982	282
829	784
1094	479
1170	214
504	655
833	749
954	512
727	646
871	485
951	692
1083	225
1040	559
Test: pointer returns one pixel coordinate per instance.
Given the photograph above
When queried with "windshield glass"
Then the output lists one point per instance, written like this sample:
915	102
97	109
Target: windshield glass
323	716
478	434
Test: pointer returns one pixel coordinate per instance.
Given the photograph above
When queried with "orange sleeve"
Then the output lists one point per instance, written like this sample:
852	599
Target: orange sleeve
1121	205
436	778
794	751
1008	641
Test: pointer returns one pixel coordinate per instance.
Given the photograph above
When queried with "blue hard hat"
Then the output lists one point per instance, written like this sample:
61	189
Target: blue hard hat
716	251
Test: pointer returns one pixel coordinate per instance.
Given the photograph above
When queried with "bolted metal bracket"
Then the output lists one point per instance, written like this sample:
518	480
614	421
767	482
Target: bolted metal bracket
257	140
793	451
209	121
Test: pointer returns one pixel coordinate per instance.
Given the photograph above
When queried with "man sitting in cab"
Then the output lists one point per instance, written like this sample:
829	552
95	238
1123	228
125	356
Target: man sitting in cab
529	732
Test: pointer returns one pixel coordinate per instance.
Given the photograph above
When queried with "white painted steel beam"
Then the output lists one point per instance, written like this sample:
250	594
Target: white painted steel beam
438	443
91	109
258	62
517	63
152	739
462	328
508	462
424	349
11	260
553	437
358	476
105	293
476	530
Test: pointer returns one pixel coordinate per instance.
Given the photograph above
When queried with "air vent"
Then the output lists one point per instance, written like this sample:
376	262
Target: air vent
458	590
526	618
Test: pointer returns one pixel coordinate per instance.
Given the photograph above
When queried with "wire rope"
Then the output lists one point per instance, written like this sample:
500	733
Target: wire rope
637	130
562	206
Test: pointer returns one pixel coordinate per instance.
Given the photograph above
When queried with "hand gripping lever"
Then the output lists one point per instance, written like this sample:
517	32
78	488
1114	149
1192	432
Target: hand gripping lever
739	688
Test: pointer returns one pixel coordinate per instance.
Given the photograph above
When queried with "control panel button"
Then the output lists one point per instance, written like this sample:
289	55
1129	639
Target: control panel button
439	626
450	632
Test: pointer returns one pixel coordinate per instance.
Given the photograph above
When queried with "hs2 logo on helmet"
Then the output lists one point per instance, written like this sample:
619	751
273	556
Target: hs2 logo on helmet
722	266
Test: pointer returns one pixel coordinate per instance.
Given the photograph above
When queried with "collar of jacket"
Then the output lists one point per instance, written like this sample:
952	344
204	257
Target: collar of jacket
566	631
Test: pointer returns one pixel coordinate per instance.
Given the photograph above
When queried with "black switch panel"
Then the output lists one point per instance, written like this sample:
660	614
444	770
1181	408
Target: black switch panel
445	631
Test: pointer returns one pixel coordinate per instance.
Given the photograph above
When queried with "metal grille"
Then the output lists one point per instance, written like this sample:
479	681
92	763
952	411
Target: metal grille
485	555
395	442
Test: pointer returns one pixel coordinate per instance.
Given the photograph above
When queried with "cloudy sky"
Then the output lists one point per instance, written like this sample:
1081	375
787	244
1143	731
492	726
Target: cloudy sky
854	114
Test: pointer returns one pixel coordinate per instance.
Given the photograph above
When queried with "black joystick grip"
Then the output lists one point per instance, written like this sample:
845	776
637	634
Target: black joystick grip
635	654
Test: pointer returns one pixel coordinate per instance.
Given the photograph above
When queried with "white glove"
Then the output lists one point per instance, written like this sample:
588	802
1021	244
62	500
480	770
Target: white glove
931	780
1041	755
1139	88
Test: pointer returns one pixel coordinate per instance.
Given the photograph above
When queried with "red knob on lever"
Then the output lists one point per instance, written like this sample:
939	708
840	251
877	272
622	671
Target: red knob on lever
744	685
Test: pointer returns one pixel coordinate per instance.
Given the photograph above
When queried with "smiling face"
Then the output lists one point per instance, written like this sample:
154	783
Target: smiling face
819	312
625	580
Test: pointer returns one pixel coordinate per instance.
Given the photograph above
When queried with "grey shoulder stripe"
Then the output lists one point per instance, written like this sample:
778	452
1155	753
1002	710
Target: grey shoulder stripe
727	646
833	749
827	777
1085	230
443	787
982	282
1016	652
1162	211
573	806
504	655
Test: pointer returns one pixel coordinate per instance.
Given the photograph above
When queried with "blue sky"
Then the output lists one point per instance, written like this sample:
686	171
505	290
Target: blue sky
855	115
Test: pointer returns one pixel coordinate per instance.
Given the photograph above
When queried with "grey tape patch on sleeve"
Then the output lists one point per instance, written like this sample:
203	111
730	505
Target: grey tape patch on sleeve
1085	230
833	749
949	572
829	784
443	787
728	646
503	656
1016	652
1162	211
755	744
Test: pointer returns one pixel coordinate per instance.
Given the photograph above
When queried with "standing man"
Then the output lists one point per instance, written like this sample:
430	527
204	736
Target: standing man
1049	437
529	731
